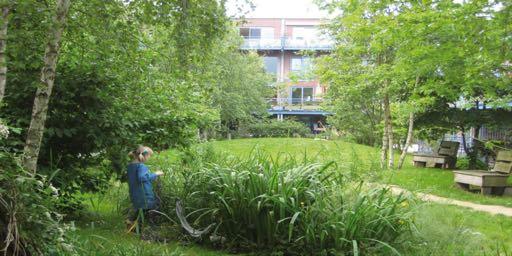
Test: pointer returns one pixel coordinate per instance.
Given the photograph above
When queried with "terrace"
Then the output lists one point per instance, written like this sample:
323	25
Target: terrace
295	103
286	43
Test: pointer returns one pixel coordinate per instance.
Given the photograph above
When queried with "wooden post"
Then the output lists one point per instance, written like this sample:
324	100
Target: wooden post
486	190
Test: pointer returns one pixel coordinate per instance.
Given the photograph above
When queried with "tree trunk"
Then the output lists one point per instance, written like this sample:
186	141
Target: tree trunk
476	147
464	145
385	141
389	125
44	90
3	43
408	141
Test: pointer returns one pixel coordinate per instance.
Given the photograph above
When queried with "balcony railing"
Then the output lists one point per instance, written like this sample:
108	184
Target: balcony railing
308	44
295	103
262	44
285	43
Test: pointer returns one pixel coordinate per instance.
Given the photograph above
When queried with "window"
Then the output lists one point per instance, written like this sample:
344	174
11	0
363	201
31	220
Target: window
300	64
257	32
301	95
270	64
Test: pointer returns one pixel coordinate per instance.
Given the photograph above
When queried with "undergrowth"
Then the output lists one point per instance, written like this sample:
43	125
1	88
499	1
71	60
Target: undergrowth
284	204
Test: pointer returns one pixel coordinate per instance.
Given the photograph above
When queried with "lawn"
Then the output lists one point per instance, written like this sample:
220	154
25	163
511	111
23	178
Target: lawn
443	230
429	180
103	232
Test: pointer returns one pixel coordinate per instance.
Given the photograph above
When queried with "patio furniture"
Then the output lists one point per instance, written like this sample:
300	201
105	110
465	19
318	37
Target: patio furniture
444	157
490	182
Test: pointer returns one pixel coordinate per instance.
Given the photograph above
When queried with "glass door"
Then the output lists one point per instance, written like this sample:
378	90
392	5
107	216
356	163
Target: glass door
301	95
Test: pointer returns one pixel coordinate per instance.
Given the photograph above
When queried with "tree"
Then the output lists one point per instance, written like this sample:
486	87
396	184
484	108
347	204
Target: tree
4	21
242	86
40	108
365	50
428	55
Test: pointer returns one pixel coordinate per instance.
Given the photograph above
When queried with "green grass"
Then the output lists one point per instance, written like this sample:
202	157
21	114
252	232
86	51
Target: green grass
103	232
439	220
451	230
439	182
442	229
429	180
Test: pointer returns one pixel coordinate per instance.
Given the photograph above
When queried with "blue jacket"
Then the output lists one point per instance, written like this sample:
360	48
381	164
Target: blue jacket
141	189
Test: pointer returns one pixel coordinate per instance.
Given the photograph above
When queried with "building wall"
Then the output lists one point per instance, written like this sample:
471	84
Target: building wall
278	24
275	23
285	57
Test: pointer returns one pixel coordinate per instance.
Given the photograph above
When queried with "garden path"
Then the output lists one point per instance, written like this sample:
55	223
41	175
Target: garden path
492	209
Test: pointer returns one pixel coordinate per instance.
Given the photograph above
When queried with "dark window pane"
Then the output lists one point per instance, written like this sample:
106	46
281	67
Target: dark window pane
296	95
244	32
307	94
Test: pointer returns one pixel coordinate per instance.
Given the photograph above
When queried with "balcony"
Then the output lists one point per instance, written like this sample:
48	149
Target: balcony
295	103
261	44
285	43
308	44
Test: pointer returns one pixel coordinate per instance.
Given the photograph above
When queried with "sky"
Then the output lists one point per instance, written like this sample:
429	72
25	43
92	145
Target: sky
275	9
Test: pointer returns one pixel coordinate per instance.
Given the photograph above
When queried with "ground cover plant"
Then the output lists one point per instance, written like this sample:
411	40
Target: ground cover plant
287	205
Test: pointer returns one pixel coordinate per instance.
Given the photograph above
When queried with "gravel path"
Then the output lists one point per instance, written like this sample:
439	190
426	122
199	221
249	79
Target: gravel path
492	209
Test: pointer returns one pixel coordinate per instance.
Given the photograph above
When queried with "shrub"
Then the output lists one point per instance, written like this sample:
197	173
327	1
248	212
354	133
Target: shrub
285	205
463	164
274	128
29	223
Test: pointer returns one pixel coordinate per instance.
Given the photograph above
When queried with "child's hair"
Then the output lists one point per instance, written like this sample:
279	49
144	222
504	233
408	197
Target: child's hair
141	154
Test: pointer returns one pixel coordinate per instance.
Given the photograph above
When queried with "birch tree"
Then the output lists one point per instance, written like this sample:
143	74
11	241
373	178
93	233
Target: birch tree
45	87
365	51
4	21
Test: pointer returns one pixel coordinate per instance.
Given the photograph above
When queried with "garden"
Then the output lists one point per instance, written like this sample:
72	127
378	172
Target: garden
332	196
101	98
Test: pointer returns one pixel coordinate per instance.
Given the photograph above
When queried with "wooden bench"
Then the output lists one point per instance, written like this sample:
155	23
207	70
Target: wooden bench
444	157
490	182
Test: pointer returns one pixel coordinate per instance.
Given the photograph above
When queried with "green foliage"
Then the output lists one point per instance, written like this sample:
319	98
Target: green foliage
275	128
285	205
463	164
30	223
439	229
242	85
150	73
415	52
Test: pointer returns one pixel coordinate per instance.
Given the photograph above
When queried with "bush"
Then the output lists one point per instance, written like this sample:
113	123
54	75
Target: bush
285	205
29	223
463	164
274	128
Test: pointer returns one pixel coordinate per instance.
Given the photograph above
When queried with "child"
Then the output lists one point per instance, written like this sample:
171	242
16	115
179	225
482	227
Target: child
139	180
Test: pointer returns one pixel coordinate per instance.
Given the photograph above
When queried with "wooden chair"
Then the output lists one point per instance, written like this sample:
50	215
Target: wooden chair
490	182
445	156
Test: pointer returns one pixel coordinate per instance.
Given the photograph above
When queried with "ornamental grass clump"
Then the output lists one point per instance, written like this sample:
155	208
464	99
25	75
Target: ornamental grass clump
287	205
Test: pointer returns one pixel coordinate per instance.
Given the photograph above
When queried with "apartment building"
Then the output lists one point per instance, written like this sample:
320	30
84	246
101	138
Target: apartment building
287	46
